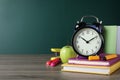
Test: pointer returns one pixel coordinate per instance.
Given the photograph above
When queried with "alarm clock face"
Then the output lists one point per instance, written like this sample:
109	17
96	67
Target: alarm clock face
87	41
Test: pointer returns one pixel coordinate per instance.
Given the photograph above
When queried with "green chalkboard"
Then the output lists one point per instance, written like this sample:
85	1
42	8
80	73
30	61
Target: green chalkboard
34	26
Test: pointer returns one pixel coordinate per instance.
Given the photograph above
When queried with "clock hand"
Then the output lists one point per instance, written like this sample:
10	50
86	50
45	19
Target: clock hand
92	38
84	39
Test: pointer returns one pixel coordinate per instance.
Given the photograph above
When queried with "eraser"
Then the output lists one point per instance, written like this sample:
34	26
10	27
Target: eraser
110	56
93	58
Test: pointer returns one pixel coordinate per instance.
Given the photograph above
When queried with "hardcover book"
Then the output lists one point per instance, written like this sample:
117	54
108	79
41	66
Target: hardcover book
110	36
85	61
106	70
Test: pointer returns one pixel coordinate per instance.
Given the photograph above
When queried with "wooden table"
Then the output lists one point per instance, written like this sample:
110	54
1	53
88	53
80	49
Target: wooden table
32	67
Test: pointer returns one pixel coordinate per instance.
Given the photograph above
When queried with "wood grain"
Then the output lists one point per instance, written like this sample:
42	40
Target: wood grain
32	67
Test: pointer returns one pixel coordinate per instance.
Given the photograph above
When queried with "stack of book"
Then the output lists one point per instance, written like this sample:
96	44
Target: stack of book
83	65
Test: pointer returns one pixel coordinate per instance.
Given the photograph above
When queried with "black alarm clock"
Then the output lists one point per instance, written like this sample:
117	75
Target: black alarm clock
88	38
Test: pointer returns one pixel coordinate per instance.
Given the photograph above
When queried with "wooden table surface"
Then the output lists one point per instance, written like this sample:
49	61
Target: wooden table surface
32	67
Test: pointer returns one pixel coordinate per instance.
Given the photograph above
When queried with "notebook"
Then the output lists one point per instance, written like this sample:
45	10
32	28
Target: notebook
91	69
84	61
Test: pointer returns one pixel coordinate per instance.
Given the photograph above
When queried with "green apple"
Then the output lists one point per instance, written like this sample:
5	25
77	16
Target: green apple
67	52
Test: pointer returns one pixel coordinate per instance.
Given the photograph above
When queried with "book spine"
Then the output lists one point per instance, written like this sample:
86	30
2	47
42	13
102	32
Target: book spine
118	40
